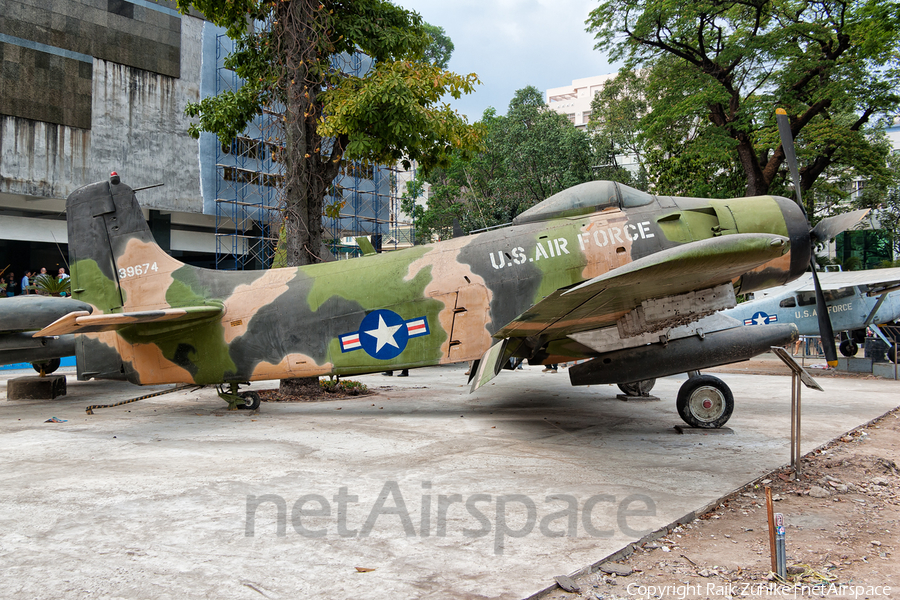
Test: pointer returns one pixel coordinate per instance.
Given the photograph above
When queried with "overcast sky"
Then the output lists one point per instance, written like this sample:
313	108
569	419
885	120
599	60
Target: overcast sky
513	43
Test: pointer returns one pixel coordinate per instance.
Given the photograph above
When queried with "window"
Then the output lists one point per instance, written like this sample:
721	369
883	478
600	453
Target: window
586	116
571	117
807	298
787	303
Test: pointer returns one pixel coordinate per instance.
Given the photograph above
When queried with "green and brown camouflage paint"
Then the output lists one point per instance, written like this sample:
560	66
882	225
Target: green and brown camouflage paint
296	322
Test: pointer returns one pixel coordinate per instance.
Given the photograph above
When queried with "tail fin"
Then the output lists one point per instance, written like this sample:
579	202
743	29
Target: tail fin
113	256
116	267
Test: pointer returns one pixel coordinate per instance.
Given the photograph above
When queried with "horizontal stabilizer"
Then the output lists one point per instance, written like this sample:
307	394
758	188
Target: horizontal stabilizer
84	322
365	246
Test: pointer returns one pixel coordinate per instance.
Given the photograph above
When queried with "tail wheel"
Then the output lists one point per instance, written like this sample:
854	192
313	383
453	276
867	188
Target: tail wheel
251	401
705	401
637	388
47	366
849	348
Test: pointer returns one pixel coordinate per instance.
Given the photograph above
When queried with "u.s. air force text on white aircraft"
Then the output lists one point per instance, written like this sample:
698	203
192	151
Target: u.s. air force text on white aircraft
834	308
559	246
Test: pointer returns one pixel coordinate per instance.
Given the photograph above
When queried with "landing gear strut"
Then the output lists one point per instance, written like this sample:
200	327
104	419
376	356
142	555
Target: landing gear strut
243	400
705	401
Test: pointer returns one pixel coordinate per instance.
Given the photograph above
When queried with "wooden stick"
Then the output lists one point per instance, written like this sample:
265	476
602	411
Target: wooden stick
771	512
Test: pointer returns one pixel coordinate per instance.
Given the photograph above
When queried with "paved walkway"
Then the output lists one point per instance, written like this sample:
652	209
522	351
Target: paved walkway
442	493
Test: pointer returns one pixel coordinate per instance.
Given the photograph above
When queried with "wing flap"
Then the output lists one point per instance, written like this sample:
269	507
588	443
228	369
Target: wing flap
601	301
84	322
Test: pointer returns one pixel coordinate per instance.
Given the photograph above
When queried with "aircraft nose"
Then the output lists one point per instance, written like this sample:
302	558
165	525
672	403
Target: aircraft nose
798	233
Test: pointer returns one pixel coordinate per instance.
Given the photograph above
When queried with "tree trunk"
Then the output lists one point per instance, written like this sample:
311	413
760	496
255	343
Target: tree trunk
309	168
303	191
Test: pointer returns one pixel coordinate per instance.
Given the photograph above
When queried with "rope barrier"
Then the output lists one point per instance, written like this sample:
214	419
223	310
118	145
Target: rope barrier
90	409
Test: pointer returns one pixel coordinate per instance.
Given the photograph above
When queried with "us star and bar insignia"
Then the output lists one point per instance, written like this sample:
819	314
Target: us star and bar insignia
383	334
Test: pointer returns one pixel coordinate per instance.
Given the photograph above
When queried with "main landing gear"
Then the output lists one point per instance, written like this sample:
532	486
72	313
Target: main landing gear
704	401
848	348
244	400
46	367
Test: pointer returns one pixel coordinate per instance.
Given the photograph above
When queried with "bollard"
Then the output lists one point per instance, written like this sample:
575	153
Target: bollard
780	551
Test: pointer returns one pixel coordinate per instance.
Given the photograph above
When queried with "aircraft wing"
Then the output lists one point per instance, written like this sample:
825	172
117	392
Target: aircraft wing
602	301
84	322
878	280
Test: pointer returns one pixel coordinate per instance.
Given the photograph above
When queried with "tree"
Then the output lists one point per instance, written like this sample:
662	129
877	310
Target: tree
675	155
290	55
529	155
885	204
717	69
440	48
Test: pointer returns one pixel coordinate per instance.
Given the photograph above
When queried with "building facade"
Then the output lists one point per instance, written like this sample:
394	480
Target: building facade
574	100
88	87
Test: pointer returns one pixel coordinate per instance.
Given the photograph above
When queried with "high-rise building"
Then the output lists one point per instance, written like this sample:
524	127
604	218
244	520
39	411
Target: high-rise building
574	100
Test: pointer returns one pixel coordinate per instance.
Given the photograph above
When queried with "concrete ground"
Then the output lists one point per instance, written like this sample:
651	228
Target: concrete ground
440	493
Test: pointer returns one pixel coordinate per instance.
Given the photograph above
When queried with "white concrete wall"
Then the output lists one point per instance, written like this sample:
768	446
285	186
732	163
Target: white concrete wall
138	129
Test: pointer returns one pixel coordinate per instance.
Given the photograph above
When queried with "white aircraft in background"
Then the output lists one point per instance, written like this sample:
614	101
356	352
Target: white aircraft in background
856	300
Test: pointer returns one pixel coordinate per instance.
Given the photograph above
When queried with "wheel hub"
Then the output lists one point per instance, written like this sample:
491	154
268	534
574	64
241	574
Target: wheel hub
707	403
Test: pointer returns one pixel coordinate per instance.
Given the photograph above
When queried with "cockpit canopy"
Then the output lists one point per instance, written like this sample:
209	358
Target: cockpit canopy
585	198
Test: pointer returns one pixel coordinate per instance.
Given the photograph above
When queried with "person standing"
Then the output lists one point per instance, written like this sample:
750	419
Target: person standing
11	285
62	274
25	283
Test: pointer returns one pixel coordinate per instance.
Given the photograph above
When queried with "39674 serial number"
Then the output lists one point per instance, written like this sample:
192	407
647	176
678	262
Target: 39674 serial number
134	271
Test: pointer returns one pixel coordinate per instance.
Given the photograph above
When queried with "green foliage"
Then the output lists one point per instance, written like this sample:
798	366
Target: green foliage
394	113
714	72
528	155
440	48
343	386
51	286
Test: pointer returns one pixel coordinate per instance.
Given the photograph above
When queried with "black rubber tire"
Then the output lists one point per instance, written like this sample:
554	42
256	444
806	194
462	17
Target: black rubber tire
251	401
848	348
891	352
705	402
49	366
637	388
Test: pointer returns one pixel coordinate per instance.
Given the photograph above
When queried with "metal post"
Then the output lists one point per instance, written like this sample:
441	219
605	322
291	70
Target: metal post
795	426
780	551
771	519
798	471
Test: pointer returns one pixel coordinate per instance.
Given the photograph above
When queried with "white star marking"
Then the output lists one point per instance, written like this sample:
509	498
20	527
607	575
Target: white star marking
760	320
384	334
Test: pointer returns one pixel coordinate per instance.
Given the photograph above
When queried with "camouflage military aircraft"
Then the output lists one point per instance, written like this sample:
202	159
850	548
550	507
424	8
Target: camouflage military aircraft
601	272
